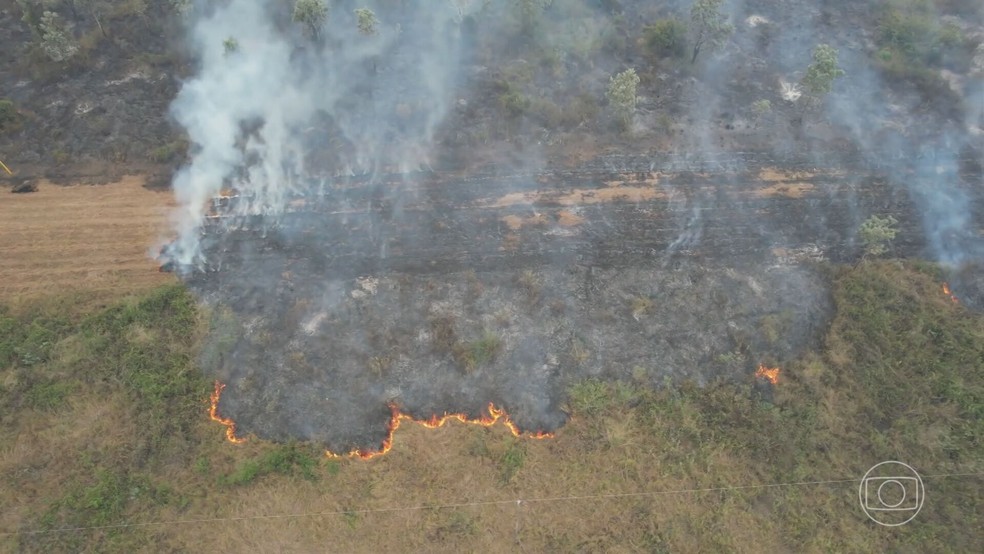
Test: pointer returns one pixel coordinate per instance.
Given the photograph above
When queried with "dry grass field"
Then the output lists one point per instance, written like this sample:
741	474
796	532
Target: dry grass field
90	237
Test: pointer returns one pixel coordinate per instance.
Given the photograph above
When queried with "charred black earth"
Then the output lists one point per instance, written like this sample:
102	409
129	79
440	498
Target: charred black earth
443	292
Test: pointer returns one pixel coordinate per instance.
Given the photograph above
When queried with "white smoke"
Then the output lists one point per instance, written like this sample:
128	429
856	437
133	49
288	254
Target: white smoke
256	115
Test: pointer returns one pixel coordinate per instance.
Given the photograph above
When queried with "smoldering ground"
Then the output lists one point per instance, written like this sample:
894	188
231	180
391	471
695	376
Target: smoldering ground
345	274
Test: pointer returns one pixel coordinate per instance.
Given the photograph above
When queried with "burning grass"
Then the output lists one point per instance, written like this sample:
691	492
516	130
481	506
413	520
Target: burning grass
105	421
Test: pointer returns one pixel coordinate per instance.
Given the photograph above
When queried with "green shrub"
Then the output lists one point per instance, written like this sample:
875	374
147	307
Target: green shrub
666	38
8	115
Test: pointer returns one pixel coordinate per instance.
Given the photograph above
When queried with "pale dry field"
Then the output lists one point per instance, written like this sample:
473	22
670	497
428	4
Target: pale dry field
92	237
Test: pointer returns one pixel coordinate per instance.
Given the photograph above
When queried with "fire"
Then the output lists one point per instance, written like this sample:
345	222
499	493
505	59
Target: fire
770	374
213	412
948	292
494	416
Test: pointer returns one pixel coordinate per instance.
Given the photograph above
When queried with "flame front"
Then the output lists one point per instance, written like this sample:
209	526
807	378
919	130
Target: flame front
948	292
213	412
433	422
770	374
494	416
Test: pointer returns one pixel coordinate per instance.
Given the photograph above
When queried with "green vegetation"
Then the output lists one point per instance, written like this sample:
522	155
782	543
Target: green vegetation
914	44
230	45
708	26
621	96
8	115
311	14
366	21
666	38
820	75
761	107
105	415
876	233
290	459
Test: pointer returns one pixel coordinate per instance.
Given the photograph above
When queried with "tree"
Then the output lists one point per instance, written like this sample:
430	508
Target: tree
312	15
230	45
529	14
761	107
666	37
708	25
366	20
876	232
622	95
55	41
819	78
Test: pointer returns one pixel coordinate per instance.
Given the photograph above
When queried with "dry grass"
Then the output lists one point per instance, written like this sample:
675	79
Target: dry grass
91	238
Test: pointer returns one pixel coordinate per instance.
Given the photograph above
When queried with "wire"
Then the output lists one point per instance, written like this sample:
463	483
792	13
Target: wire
482	503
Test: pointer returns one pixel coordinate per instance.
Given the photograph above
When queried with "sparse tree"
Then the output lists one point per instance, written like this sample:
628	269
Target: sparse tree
709	27
819	78
529	12
312	15
55	40
622	95
366	21
876	232
761	107
230	45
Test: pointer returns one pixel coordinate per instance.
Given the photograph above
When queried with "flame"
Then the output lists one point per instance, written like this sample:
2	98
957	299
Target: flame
433	422
948	292
770	374
213	412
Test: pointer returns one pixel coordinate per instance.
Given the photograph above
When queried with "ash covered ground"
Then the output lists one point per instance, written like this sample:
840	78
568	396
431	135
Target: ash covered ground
443	293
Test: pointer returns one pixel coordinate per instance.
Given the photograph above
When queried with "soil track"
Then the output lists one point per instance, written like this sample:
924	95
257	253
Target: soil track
81	237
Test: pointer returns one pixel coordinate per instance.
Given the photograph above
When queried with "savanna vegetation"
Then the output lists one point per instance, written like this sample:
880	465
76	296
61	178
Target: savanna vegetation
105	428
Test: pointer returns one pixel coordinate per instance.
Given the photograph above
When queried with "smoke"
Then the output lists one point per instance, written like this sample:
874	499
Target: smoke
266	100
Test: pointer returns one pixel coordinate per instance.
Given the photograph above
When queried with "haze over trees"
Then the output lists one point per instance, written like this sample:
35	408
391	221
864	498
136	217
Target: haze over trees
820	75
622	96
709	27
312	15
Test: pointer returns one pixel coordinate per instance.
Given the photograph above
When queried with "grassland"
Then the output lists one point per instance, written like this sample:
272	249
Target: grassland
103	421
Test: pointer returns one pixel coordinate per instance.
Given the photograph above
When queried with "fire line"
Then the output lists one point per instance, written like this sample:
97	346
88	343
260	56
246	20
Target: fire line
213	412
770	374
495	415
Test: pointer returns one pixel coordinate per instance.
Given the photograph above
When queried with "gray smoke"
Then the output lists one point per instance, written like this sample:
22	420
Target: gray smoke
281	105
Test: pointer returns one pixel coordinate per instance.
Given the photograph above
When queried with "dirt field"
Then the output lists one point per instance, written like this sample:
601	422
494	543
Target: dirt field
95	238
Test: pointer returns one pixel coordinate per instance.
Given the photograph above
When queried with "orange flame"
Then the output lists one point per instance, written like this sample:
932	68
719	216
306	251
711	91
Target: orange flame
213	412
770	374
396	417
948	292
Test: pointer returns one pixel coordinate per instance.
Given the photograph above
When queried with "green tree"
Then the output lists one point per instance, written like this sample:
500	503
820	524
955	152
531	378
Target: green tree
709	26
666	37
819	78
55	40
876	232
312	15
366	21
529	12
621	95
230	45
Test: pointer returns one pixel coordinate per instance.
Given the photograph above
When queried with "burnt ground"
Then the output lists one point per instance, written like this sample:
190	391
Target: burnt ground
442	293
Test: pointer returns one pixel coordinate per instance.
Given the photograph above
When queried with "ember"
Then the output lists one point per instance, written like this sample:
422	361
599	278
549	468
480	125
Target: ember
948	292
769	374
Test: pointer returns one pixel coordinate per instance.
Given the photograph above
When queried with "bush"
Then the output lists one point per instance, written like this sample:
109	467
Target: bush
8	115
666	38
